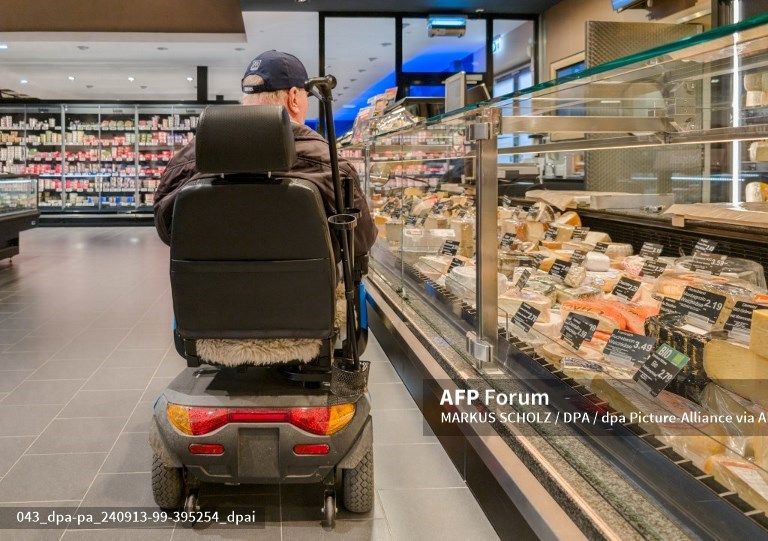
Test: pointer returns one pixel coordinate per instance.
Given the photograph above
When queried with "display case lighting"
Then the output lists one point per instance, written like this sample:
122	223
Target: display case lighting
3	45
23	81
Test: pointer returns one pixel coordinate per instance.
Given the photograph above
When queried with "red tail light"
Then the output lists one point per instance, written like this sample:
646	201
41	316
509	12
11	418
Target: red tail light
324	420
206	449
311	449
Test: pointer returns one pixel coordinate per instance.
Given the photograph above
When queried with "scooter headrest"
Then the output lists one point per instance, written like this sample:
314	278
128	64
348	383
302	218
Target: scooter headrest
244	139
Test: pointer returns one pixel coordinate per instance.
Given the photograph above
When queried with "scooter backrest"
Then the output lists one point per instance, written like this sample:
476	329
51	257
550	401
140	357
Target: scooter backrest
251	255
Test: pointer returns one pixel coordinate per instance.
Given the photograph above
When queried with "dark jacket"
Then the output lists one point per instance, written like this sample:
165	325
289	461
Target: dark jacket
312	163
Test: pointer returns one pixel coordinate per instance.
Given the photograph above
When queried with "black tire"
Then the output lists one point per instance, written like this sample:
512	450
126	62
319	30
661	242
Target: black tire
357	485
329	511
167	485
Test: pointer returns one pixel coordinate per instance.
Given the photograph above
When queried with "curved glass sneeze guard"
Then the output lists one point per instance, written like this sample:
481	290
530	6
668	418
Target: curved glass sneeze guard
17	194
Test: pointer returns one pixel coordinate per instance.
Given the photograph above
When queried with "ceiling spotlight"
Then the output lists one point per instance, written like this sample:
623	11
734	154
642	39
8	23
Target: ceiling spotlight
372	58
479	10
345	87
189	79
23	81
71	77
131	79
353	80
3	45
88	86
162	48
143	87
386	43
83	47
360	71
239	48
301	1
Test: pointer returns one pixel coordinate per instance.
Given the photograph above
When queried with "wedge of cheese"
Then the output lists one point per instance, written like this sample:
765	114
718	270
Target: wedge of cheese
530	231
738	369
753	81
569	218
749	481
510	302
754	98
744	424
758	341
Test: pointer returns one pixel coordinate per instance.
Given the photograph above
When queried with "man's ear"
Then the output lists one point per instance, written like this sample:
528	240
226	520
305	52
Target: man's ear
293	100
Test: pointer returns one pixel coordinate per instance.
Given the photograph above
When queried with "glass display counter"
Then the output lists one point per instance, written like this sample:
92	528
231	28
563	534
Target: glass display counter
625	324
18	211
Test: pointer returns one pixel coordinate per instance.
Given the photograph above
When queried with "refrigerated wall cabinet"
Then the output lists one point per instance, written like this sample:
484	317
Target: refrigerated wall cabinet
18	211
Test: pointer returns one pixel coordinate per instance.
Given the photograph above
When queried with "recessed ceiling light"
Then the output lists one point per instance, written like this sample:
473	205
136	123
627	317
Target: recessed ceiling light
301	1
372	58
386	44
3	45
143	87
189	79
479	10
88	86
353	80
406	25
131	79
345	87
83	47
239	48
162	48
360	71
23	81
71	77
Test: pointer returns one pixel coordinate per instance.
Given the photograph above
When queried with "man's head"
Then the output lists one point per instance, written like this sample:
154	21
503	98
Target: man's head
276	78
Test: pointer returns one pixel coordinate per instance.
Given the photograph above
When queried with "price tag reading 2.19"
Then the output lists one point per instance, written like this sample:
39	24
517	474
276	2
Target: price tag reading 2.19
578	328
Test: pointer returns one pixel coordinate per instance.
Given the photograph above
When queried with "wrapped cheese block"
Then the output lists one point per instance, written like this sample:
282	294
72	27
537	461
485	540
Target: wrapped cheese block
554	353
381	222
543	213
746	479
564	232
753	81
593	237
394	229
464	228
618	250
511	226
758	151
597	262
605	280
743	425
530	231
754	98
738	369
564	293
436	222
433	266
510	301
575	277
756	192
510	261
569	218
758	340
504	213
413	191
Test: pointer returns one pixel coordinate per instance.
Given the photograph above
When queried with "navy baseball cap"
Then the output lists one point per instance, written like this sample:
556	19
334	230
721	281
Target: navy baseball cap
279	70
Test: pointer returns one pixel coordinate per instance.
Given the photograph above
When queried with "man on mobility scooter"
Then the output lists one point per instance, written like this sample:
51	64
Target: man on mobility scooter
253	276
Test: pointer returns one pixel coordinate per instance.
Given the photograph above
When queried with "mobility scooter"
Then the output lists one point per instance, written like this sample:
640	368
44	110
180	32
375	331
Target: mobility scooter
259	312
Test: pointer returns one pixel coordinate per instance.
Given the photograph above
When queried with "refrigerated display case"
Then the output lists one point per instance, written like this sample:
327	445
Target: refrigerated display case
637	307
18	211
94	158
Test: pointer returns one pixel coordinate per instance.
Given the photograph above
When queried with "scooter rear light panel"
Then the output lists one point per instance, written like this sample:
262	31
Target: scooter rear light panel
197	421
206	449
311	449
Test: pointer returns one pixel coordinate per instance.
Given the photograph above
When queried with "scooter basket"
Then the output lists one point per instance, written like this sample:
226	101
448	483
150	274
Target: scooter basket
349	383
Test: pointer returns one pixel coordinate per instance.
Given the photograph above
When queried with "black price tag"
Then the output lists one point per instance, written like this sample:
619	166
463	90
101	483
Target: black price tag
651	250
397	212
551	233
455	262
629	346
709	263
653	268
411	220
705	245
601	247
507	239
626	288
422	221
432	189
461	213
525	317
523	280
537	259
506	202
560	268
661	368
388	207
741	316
578	257
577	328
532	212
579	233
437	208
703	304
670	306
450	247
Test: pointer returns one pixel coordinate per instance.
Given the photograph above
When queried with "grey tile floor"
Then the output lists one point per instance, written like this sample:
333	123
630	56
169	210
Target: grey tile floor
85	348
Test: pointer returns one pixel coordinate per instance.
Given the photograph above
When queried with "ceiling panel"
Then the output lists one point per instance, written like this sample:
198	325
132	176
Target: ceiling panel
411	6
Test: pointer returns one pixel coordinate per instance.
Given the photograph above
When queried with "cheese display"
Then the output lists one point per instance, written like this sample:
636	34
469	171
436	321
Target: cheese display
749	481
570	269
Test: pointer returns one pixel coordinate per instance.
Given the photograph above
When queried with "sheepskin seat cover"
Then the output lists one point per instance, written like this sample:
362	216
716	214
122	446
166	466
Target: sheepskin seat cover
229	352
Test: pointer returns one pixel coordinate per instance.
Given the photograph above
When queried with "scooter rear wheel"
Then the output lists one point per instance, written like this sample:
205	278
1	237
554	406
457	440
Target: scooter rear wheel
167	485
358	489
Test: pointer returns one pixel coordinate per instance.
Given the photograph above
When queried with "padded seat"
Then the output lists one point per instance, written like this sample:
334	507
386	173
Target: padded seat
253	275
